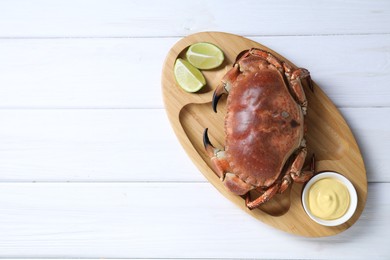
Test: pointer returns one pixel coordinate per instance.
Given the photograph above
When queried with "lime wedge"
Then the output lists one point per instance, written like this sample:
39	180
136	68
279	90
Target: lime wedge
204	55
187	76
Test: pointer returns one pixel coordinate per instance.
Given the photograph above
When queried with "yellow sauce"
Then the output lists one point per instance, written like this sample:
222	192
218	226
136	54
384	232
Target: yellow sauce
328	199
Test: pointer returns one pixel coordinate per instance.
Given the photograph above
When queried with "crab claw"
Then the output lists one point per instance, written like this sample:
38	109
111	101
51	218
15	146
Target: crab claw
243	54
219	91
226	84
207	144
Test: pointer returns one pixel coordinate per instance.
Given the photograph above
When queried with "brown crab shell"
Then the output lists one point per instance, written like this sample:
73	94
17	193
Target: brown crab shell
264	125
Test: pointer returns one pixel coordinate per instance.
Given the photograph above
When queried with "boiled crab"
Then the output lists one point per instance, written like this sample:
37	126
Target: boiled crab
265	147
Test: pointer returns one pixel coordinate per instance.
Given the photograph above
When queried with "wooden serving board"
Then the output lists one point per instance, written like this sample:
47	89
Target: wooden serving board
328	136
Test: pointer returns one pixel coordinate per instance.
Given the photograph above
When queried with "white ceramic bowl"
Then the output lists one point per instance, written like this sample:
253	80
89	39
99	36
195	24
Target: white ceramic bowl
352	194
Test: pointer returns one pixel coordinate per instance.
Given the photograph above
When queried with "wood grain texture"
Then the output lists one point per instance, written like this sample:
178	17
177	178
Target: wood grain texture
165	220
328	136
121	18
125	73
90	146
98	145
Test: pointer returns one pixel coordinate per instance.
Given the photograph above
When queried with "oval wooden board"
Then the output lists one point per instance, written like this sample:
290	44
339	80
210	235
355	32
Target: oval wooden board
329	136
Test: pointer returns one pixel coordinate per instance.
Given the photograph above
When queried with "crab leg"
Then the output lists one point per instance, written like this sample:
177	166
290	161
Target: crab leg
296	168
286	181
269	193
268	57
297	88
294	172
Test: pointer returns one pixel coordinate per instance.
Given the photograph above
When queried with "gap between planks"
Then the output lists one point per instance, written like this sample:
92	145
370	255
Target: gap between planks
181	36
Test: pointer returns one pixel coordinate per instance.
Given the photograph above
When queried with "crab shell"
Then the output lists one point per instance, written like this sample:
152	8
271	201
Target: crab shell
264	125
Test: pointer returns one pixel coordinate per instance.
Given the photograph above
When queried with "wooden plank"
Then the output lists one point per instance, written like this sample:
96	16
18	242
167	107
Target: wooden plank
134	145
171	220
352	70
91	145
126	73
120	18
84	73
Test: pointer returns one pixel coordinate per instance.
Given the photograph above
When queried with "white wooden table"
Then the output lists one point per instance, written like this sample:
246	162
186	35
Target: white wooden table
89	165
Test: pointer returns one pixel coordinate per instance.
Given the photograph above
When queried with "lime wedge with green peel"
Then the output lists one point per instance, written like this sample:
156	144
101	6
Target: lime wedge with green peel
187	76
204	55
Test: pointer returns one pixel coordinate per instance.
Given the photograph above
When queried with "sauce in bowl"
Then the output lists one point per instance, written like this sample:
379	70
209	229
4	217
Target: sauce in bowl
328	199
